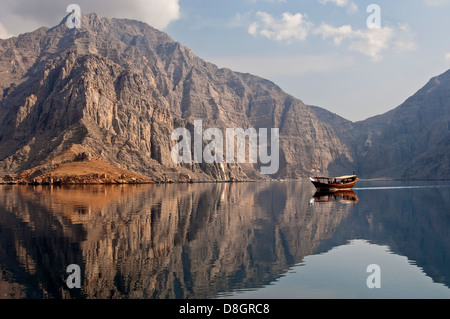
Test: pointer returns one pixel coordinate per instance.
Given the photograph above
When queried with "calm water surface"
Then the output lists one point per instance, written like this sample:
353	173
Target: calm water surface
243	240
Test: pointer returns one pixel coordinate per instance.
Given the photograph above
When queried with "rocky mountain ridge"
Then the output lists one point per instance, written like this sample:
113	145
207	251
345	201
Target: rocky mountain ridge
411	141
116	89
107	96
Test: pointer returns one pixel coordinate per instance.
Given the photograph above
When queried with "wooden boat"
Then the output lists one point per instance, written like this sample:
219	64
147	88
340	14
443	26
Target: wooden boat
334	183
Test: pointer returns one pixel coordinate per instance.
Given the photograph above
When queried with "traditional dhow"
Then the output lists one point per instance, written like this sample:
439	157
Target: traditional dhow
334	183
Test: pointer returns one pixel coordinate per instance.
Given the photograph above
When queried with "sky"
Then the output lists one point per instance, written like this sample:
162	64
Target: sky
354	58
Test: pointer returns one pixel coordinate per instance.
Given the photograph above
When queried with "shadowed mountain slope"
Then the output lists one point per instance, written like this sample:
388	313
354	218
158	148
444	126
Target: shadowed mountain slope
116	89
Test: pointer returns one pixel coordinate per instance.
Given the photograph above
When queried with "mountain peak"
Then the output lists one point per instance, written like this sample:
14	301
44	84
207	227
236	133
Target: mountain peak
115	89
101	25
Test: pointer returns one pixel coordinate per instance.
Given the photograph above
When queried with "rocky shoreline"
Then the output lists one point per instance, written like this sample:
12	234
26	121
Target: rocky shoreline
96	180
103	179
74	180
74	168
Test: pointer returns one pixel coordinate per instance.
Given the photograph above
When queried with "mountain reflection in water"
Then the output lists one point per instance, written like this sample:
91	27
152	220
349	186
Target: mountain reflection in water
199	240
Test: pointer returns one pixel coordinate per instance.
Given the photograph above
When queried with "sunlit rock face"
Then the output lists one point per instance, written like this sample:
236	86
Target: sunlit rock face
411	141
116	89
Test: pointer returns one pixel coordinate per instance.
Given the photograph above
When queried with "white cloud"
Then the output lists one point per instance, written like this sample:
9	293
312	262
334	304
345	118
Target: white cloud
4	34
404	39
157	13
352	7
447	58
372	42
27	15
290	27
338	34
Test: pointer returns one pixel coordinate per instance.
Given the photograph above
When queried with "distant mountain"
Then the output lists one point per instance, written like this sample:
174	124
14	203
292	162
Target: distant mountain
409	142
414	139
109	94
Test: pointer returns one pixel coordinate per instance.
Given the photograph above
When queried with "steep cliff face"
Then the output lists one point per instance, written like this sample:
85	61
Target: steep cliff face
417	140
411	141
116	89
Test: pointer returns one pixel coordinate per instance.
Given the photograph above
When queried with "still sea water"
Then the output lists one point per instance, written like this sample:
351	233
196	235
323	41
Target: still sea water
241	240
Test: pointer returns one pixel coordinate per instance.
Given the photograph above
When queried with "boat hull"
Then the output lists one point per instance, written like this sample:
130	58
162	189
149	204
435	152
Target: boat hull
334	187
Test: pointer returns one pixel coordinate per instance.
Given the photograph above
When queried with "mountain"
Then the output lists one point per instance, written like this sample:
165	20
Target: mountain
109	95
415	140
411	141
100	103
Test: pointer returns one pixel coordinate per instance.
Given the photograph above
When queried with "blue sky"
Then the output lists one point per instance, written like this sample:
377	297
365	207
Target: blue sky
320	51
353	73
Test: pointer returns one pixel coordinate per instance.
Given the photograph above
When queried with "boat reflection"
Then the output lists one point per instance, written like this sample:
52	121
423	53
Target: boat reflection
345	197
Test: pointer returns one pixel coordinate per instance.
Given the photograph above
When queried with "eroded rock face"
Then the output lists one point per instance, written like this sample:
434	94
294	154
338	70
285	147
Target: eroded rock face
416	141
411	141
118	88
